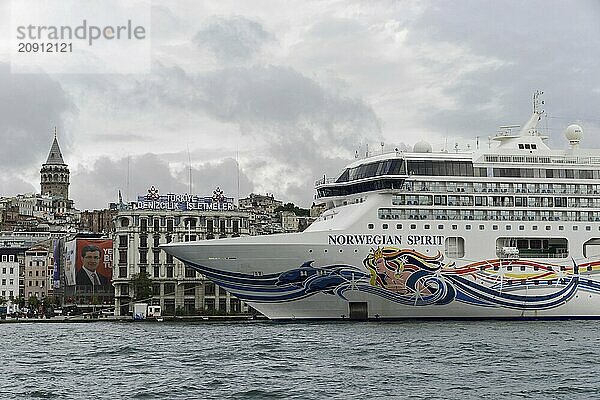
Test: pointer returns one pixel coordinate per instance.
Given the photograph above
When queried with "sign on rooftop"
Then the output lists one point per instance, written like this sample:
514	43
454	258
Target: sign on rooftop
184	202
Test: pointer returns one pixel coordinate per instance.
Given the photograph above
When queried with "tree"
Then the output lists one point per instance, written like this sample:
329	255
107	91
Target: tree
301	212
142	286
2	301
33	302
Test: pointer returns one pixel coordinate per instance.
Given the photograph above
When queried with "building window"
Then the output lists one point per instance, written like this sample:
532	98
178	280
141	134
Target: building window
169	271
122	256
124	222
156	288
156	240
156	225
122	240
236	226
169	259
209	225
209	289
190	272
122	272
169	289
169	225
143	241
189	289
143	225
156	256
143	257
157	271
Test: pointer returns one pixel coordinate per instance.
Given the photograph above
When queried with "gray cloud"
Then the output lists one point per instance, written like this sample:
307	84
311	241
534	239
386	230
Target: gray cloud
97	185
30	106
542	44
232	39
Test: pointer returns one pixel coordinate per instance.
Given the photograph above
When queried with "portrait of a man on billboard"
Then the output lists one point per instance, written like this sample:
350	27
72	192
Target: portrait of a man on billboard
93	262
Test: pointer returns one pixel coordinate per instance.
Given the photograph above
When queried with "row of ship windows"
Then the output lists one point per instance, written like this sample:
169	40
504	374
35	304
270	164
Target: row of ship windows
488	215
495	201
480	227
496	187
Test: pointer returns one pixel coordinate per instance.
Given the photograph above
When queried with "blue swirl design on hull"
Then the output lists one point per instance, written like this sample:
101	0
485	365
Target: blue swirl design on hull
404	277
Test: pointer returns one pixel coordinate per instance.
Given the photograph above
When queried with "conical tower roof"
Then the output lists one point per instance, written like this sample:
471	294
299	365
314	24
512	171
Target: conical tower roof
55	156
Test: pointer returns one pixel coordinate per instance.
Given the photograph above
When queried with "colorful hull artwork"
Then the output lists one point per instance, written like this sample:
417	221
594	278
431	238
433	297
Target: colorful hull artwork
410	278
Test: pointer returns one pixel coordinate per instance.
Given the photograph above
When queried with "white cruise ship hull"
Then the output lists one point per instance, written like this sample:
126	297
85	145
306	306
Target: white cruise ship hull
296	276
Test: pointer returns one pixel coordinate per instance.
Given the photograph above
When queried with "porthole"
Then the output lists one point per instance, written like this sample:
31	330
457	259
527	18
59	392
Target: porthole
426	226
534	227
589	268
325	250
413	226
495	227
521	227
561	228
454	227
370	226
341	250
468	227
440	226
310	250
384	226
508	227
575	227
398	226
481	227
588	228
548	227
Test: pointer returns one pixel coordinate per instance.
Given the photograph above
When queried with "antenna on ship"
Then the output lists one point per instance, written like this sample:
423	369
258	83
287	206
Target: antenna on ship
189	167
367	152
477	142
382	145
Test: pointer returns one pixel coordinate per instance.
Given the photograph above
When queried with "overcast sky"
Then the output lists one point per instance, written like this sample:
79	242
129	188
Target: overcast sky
288	91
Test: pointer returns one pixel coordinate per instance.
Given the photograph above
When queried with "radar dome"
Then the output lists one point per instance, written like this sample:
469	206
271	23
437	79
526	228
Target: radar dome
422	147
574	134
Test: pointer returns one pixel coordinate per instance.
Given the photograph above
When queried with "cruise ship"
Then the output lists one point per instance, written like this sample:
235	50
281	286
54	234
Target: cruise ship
510	230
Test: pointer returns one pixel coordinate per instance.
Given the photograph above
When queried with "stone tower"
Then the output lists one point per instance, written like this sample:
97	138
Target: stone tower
55	173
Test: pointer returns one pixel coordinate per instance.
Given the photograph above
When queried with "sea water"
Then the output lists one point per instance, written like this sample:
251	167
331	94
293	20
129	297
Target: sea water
270	360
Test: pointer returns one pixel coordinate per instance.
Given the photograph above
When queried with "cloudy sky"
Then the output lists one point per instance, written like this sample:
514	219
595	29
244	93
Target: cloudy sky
268	96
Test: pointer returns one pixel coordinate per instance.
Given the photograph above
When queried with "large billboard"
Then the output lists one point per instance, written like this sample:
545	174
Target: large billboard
89	262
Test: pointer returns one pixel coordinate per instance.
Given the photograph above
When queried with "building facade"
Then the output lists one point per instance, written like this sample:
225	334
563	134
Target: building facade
39	267
9	277
140	228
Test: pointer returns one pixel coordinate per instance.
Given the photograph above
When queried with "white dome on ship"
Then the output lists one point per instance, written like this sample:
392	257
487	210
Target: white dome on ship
422	147
574	133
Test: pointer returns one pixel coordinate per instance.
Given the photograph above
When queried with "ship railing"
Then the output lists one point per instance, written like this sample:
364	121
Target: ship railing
324	180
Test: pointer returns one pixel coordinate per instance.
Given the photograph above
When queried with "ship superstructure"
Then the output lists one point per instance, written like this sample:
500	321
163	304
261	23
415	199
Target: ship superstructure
511	230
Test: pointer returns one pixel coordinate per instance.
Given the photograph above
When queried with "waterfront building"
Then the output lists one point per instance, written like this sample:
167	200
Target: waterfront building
142	226
39	266
9	276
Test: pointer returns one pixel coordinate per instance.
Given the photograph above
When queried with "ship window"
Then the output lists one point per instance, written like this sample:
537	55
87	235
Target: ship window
521	146
534	227
521	227
548	227
527	146
384	226
455	227
525	247
561	228
495	227
588	228
534	146
481	227
591	248
440	226
575	227
468	227
508	227
398	226
370	226
455	247
413	226
426	226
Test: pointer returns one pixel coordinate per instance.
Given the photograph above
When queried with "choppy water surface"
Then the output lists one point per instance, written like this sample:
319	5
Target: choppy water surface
256	360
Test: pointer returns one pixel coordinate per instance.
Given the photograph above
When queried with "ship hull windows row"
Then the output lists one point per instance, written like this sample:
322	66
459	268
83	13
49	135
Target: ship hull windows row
487	215
496	201
359	188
